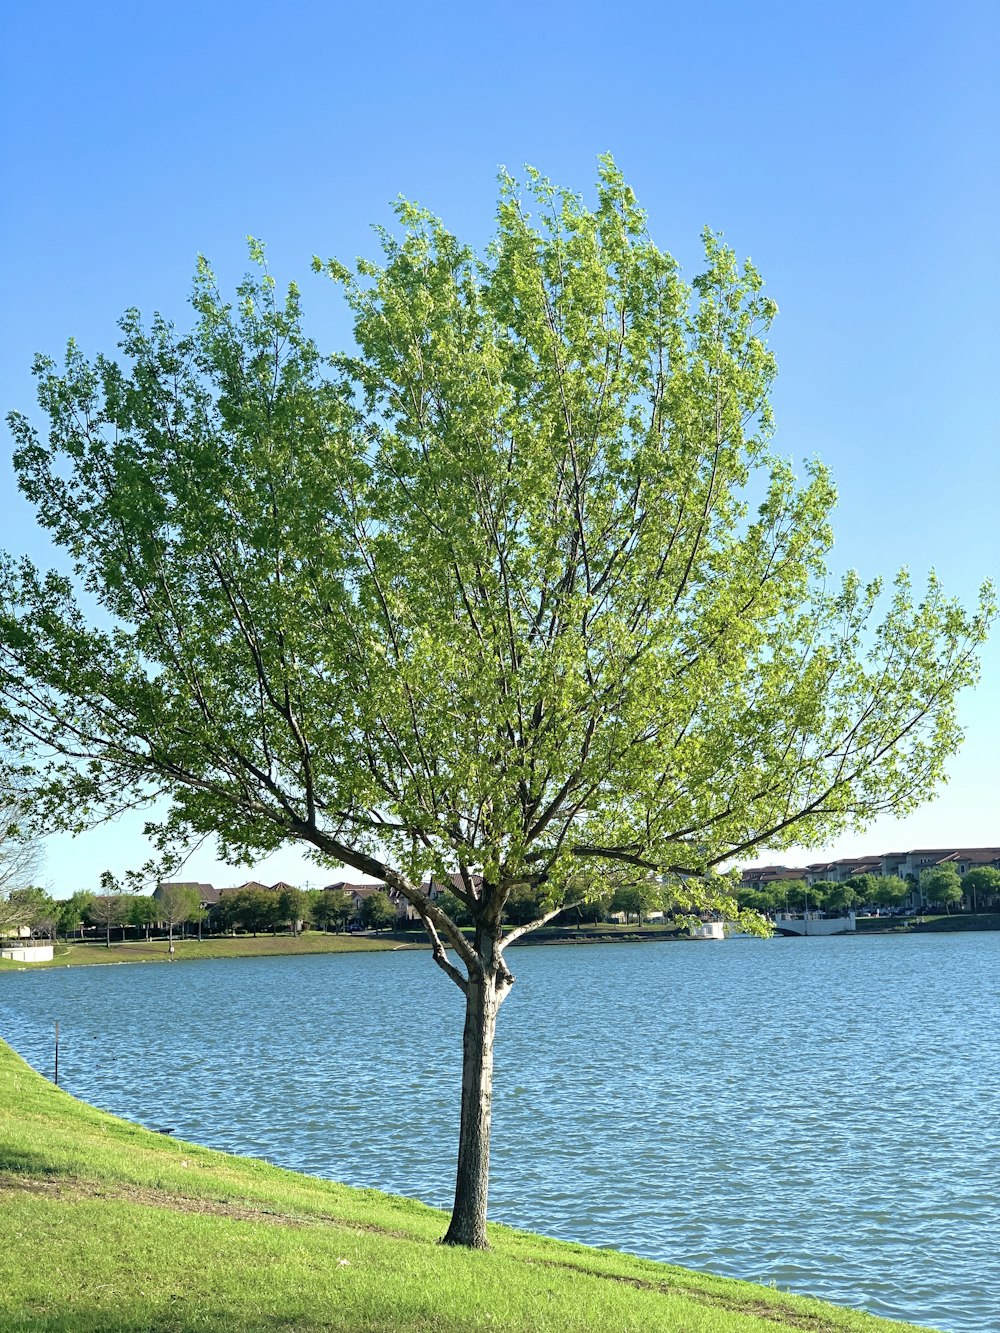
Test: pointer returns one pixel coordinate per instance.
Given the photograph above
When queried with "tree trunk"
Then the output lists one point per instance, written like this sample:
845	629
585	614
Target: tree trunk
468	1220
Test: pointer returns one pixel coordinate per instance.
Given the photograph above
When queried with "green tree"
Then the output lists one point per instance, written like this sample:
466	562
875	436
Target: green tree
797	895
332	909
176	905
377	912
517	587
981	886
455	908
941	886
30	908
74	911
865	888
256	909
292	909
226	913
841	897
524	904
142	912
636	900
889	891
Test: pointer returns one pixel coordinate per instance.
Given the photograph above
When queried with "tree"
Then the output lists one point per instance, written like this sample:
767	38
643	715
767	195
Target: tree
635	899
455	908
377	912
889	891
941	885
255	909
74	911
293	908
227	911
523	904
981	886
840	897
30	908
514	589
176	903
797	894
331	908
142	912
108	908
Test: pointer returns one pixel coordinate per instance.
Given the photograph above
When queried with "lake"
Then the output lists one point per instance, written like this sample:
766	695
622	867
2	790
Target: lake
817	1114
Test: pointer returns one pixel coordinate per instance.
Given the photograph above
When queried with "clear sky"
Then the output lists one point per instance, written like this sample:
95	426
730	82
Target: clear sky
850	149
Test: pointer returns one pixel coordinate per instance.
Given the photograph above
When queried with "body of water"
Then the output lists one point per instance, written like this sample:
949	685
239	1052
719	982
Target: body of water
817	1114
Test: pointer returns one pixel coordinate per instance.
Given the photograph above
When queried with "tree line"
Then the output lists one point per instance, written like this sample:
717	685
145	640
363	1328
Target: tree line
941	886
178	906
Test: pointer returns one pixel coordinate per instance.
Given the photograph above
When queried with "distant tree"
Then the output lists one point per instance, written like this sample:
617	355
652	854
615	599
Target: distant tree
454	907
74	910
636	900
316	915
377	912
198	918
142	911
941	886
754	899
177	904
256	909
589	911
226	913
524	904
20	856
797	894
841	897
292	908
865	887
29	908
889	891
331	908
107	909
980	886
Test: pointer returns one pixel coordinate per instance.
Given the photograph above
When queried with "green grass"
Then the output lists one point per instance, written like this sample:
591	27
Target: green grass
216	946
928	923
109	1228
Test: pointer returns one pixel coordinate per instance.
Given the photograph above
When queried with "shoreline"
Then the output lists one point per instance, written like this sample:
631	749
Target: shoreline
291	1250
93	954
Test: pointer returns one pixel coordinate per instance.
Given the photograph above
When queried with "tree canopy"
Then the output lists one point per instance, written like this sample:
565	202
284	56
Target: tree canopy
941	885
516	590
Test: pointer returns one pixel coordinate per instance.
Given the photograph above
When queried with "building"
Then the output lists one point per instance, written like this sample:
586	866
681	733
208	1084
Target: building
904	865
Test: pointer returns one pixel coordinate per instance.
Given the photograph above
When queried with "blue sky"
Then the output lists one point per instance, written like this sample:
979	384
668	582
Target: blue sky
850	149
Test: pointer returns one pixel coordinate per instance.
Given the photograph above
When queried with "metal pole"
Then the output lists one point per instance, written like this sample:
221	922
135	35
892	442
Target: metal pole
56	1078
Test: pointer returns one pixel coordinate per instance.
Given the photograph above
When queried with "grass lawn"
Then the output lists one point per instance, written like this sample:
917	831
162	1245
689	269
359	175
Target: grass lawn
929	923
216	946
108	1228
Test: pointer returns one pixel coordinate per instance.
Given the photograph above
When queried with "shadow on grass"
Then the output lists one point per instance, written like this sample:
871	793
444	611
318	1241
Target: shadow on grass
22	1162
176	1319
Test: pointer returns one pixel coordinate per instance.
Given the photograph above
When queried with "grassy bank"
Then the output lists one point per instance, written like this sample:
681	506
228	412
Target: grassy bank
75	954
109	1228
928	924
217	946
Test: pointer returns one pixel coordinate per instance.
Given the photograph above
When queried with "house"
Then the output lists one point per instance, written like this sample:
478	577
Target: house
207	895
